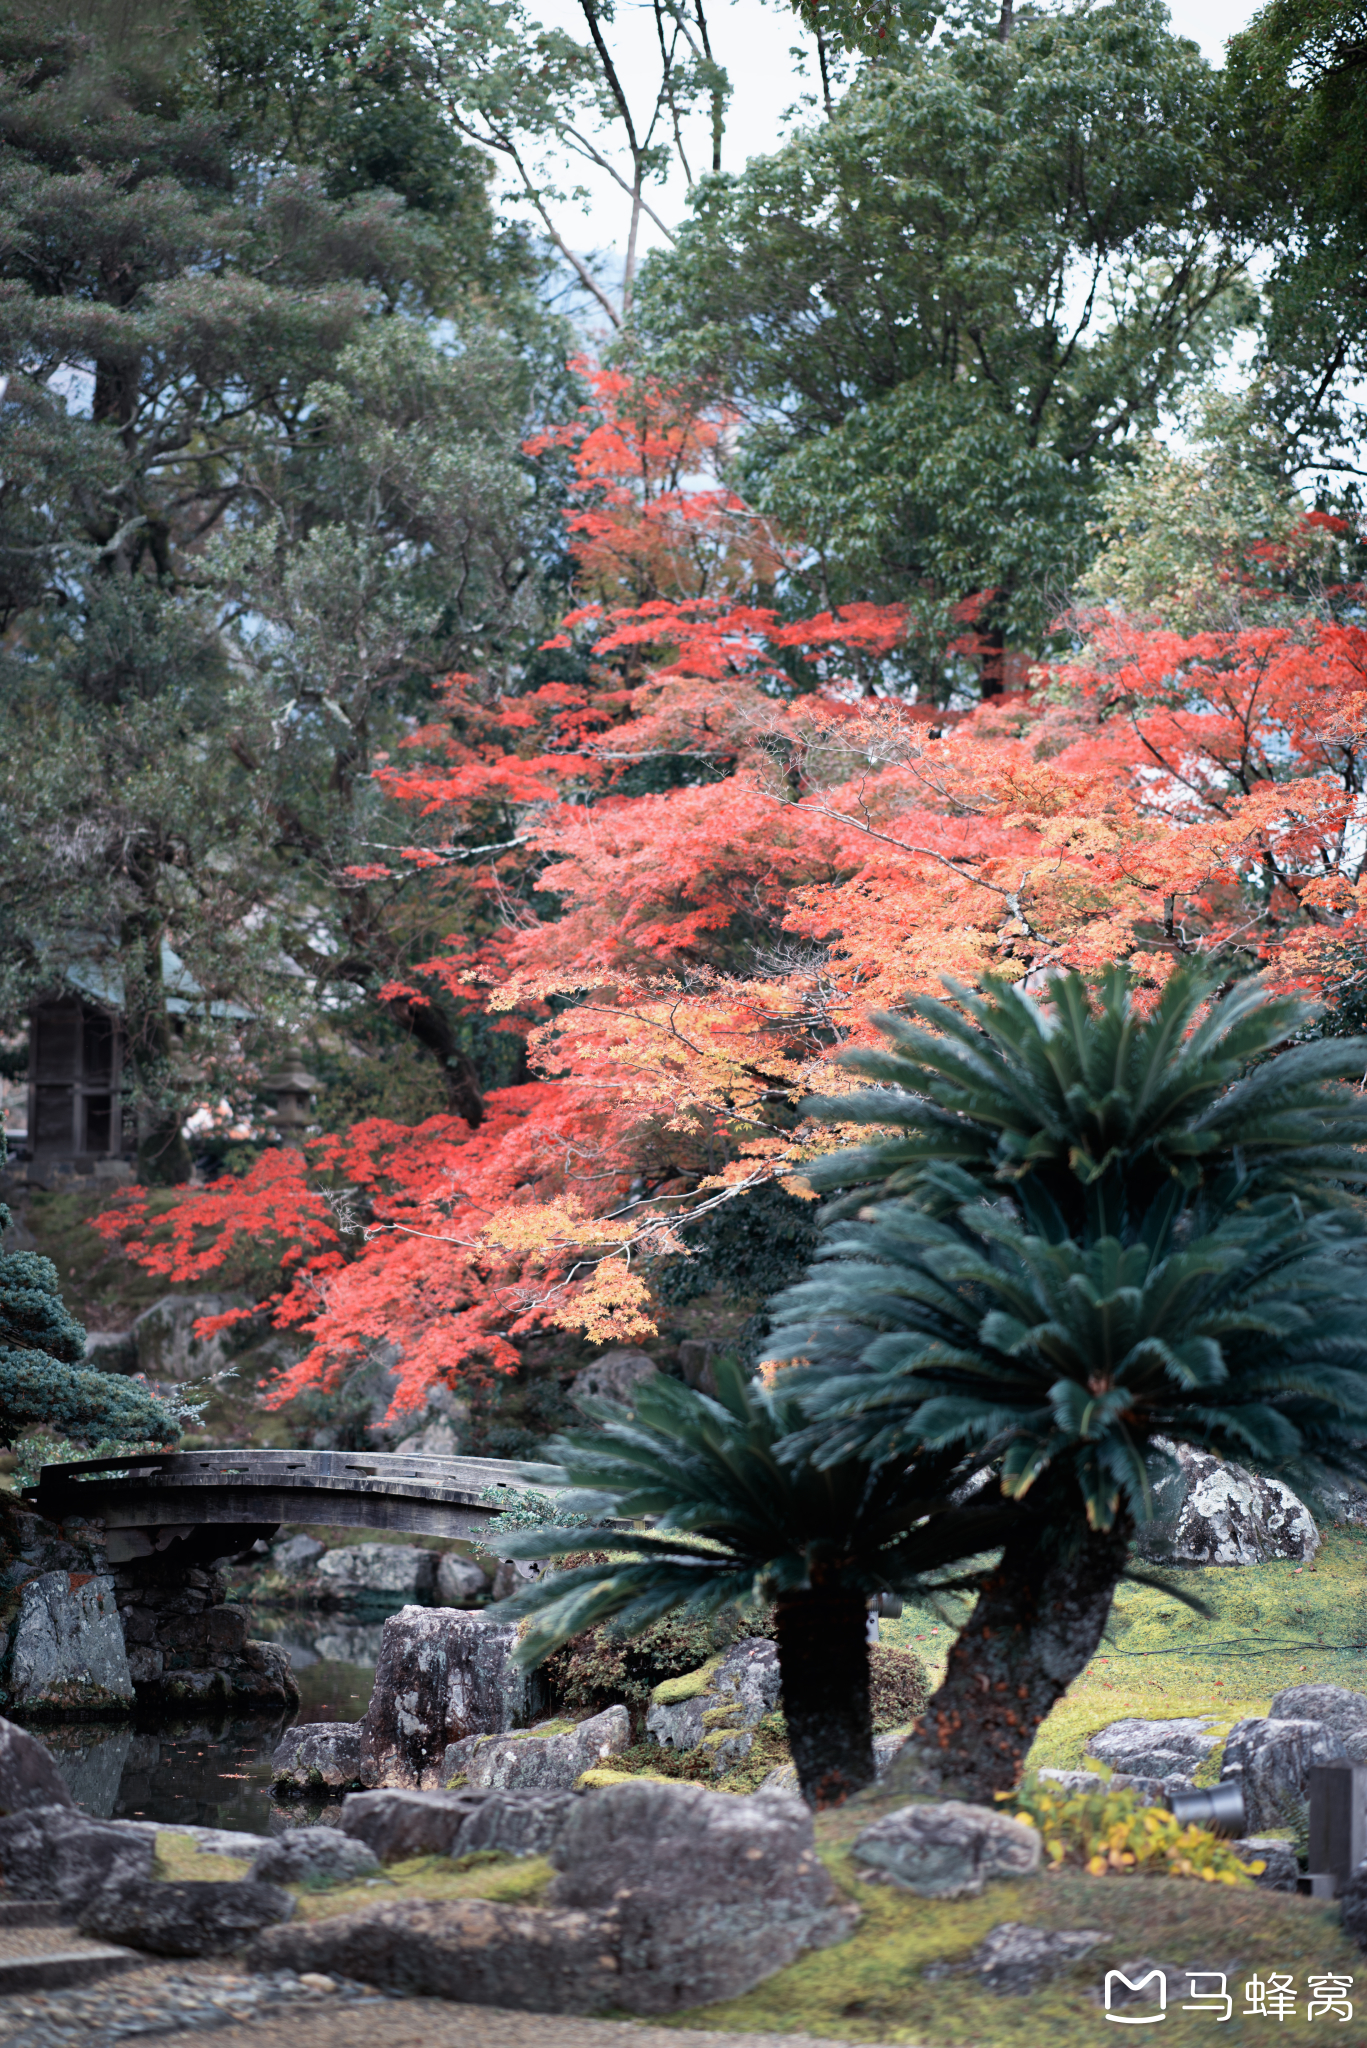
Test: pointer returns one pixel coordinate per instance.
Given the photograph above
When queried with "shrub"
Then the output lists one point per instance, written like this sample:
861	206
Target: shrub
1110	1832
899	1686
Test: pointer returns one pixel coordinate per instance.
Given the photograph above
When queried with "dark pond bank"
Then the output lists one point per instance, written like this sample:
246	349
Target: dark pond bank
215	1772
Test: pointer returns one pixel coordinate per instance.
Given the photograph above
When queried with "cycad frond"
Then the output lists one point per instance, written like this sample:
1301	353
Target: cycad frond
1250	1341
1098	1121
733	1516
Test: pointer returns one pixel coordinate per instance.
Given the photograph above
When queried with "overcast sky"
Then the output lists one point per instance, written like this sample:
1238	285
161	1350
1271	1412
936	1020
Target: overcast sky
770	61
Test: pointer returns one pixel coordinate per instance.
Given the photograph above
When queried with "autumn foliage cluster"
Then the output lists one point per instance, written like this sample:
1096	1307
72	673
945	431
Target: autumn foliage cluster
690	876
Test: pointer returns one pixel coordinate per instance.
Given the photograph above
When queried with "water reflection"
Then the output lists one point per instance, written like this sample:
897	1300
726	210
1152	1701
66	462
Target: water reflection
216	1772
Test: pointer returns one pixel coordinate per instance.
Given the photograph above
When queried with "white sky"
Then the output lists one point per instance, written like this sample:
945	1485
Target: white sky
753	40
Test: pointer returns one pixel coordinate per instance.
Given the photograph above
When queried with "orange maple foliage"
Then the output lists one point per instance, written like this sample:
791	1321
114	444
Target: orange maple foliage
813	850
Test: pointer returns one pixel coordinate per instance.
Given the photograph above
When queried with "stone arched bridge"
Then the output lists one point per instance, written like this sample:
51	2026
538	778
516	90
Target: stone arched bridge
147	1503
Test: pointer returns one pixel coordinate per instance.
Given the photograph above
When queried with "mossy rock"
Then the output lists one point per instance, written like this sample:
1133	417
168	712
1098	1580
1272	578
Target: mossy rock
671	1692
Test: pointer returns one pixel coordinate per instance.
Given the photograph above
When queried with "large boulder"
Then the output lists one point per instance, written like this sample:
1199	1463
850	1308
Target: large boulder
1153	1749
295	1557
946	1849
515	1823
165	1341
389	1571
313	1856
202	1918
1332	1706
53	1852
395	1825
442	1674
319	1756
615	1376
1208	1512
536	1762
66	1647
1281	1870
1014	1959
28	1775
460	1581
474	1951
1272	1761
719	1704
712	1892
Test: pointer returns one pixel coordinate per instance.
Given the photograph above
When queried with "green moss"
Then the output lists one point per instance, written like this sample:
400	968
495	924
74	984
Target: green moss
180	1860
872	1987
518	1880
687	1686
1272	1625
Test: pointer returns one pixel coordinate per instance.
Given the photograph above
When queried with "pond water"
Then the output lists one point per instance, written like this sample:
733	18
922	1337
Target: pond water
215	1771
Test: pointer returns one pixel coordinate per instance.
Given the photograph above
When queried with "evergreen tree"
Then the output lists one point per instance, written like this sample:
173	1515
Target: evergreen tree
943	312
255	499
43	1383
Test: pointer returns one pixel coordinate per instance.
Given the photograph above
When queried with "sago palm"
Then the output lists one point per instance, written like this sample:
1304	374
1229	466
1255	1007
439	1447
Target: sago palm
1101	1120
729	1521
1080	1285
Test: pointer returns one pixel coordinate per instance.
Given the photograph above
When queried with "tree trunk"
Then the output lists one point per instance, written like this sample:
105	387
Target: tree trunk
823	1661
163	1155
1036	1624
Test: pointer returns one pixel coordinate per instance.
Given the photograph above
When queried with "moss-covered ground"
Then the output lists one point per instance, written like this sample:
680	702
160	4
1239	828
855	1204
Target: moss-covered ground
1271	1625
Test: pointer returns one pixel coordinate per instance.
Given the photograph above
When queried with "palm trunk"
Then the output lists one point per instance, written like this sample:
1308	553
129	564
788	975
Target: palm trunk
823	1661
1036	1624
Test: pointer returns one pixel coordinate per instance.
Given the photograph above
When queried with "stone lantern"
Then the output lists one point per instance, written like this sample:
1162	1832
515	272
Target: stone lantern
293	1089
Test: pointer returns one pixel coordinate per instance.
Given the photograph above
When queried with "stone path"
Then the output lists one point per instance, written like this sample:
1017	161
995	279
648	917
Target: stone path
175	2004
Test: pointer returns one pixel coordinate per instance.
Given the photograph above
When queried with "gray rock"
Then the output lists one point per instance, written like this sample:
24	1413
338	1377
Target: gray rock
53	1852
399	1824
165	1340
474	1951
1151	1791
511	1574
1072	1782
1344	1500
615	1376
437	1440
1333	1706
319	1756
67	1648
195	1919
313	1856
29	1776
539	1763
111	1351
1272	1760
1280	1857
294	1556
442	1674
460	1581
947	1849
1208	1512
1353	1907
517	1823
713	1892
1153	1749
1014	1959
389	1570
745	1681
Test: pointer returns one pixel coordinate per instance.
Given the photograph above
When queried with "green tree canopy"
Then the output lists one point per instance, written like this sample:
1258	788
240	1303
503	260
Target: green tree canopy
943	311
255	496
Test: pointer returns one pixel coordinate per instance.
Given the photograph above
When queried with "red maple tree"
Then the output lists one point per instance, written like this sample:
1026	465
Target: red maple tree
813	850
